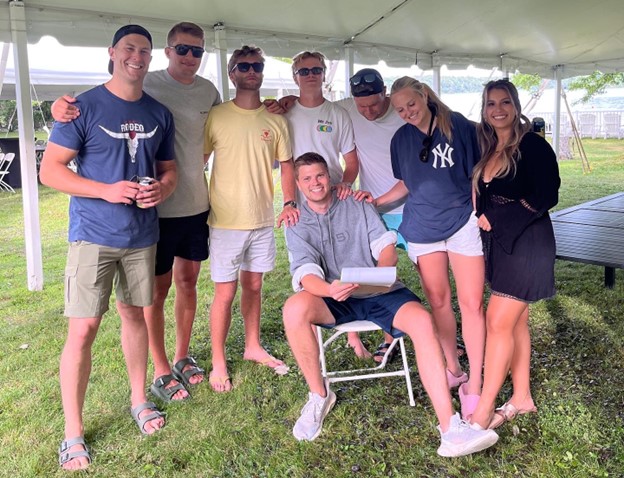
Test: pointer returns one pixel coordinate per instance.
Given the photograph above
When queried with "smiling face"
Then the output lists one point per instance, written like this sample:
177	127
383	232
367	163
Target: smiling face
313	182
412	108
499	110
183	68
131	57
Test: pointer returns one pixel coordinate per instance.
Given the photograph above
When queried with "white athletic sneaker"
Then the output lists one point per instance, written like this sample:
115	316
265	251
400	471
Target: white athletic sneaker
310	423
463	438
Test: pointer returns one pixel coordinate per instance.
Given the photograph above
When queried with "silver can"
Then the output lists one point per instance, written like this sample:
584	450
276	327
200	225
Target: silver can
144	181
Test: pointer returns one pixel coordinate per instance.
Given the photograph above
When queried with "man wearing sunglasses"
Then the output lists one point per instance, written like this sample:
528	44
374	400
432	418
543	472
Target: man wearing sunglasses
183	242
246	140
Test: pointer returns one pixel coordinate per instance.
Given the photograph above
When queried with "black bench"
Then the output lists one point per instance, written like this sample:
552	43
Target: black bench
593	233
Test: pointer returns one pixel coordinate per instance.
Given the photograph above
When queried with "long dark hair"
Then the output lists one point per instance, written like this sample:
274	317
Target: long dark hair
488	139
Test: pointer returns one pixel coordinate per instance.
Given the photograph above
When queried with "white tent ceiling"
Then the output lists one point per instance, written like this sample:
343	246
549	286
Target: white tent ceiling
528	35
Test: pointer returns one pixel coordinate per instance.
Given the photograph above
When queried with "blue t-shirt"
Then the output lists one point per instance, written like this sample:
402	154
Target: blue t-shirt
116	140
439	201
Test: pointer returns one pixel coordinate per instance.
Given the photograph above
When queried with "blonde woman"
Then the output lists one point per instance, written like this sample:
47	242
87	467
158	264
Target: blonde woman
433	155
516	183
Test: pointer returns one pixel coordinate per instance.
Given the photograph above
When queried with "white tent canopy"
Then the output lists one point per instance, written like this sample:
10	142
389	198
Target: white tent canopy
556	38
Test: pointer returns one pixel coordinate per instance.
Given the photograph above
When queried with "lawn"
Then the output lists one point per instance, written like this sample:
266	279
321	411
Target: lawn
577	365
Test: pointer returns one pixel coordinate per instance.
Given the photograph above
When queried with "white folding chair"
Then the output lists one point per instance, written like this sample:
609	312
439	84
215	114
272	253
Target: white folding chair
5	164
368	372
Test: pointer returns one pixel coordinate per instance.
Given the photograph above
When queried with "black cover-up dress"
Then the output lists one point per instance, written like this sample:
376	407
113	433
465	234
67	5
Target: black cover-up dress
520	249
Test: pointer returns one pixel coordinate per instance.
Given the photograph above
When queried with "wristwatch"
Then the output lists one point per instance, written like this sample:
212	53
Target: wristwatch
290	203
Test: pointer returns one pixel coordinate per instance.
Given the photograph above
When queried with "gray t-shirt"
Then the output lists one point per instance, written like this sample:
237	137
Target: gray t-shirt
189	105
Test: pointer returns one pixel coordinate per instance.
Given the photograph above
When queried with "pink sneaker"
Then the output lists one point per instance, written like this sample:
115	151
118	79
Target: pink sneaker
453	381
468	402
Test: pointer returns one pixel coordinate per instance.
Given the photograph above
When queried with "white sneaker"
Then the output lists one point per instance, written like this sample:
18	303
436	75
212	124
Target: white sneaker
463	438
310	423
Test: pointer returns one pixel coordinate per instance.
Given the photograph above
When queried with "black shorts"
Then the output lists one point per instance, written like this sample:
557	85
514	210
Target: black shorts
379	309
185	237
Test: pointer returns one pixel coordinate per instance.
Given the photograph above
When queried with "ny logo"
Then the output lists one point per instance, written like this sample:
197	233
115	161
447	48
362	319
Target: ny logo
445	156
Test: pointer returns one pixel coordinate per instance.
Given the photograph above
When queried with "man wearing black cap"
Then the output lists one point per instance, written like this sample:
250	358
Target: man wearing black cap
121	137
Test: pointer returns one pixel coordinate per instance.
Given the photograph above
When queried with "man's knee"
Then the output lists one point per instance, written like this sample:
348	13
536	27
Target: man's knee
298	310
414	320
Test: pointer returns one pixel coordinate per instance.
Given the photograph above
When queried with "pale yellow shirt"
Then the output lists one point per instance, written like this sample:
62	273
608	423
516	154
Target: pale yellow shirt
245	145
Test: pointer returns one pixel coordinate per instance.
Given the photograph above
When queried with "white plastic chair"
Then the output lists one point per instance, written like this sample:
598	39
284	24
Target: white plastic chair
612	125
587	125
368	372
5	164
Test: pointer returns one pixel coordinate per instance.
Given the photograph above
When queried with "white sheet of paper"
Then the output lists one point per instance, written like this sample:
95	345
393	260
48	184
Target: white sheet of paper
377	276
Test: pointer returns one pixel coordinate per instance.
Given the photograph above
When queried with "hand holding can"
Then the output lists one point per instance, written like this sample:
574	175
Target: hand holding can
143	182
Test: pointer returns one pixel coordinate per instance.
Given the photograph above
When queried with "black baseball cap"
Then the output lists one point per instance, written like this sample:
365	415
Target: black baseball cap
366	82
128	30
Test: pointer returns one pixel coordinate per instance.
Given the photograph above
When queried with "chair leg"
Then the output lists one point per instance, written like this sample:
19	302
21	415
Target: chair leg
408	379
319	335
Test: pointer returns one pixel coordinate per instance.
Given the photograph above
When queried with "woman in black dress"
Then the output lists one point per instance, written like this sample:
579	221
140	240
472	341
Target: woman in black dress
516	183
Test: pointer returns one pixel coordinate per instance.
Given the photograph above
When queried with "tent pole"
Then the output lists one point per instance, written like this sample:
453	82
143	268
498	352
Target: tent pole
349	67
556	131
28	169
222	73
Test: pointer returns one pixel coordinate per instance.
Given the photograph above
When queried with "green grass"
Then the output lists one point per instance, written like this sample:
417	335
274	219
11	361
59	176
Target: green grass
577	370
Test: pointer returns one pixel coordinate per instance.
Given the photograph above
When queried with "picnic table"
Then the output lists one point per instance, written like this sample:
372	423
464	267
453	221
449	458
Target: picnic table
593	233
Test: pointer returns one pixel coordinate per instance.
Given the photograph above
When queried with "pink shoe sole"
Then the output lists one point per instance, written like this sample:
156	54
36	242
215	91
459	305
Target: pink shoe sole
453	381
468	402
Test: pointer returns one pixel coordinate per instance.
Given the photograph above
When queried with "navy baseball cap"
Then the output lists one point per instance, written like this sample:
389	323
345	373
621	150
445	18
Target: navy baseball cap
366	82
128	30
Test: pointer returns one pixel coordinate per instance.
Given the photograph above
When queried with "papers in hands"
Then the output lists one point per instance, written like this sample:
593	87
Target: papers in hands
372	280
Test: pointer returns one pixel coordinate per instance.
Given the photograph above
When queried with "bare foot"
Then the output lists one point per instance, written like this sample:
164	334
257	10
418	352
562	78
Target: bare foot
220	383
263	357
354	341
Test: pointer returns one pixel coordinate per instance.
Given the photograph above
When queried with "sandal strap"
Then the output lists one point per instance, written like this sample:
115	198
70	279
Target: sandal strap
160	389
184	376
66	456
142	421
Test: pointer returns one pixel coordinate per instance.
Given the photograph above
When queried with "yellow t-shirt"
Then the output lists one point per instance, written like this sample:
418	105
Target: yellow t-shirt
245	145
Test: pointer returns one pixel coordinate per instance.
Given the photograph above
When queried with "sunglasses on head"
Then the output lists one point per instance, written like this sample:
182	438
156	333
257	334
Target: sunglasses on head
244	66
315	70
367	78
182	50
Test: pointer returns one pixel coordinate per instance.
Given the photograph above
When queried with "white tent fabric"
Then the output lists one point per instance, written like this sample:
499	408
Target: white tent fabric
556	38
530	35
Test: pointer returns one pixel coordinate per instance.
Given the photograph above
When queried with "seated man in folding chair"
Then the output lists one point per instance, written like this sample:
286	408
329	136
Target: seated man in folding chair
333	234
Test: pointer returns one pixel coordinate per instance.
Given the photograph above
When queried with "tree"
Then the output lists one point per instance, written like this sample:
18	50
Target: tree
595	84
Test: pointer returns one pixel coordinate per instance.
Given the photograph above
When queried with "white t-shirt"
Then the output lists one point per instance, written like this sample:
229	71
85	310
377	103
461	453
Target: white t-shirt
373	144
324	129
189	105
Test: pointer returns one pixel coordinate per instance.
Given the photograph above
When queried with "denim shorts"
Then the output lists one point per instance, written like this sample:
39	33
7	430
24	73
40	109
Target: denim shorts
379	309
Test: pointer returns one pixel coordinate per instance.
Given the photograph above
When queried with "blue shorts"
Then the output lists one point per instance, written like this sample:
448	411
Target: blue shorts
379	309
393	221
185	237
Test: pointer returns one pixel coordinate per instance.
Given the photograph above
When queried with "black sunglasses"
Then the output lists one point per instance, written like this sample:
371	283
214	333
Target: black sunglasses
424	153
367	78
183	49
244	66
315	70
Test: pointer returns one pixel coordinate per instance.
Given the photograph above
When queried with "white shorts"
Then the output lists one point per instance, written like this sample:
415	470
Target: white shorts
233	250
466	241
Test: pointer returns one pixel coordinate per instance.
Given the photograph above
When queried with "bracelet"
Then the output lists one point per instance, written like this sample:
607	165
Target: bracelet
349	185
291	203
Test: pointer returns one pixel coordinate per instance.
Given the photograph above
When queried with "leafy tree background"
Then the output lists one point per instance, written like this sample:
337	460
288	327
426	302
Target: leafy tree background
8	115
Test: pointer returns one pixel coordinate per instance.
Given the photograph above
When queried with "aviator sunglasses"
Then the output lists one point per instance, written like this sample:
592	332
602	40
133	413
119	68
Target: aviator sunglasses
244	66
315	70
367	78
182	50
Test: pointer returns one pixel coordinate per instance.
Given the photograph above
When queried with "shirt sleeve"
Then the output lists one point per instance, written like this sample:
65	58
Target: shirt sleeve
304	259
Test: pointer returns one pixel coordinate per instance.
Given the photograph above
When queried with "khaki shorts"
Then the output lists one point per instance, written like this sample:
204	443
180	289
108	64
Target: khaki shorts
233	250
91	270
466	241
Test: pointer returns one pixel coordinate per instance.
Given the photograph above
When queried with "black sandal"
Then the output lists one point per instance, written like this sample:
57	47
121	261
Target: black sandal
381	352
